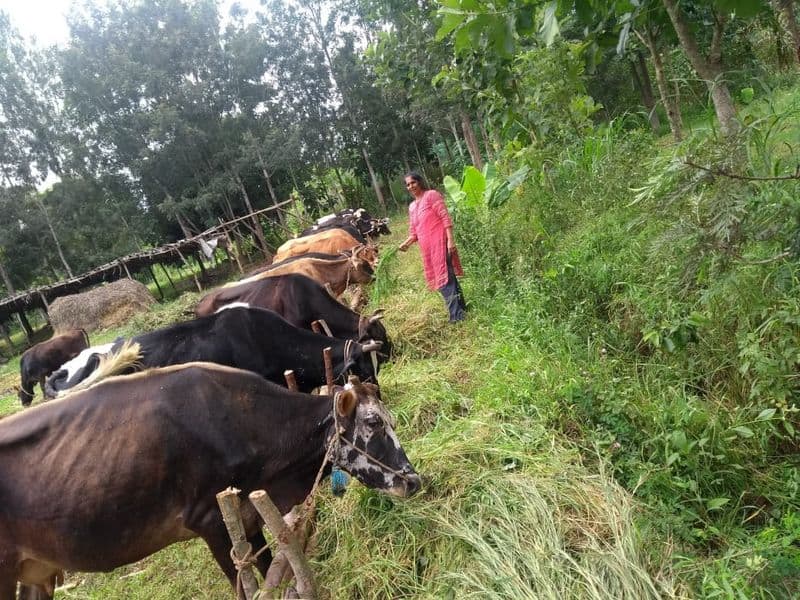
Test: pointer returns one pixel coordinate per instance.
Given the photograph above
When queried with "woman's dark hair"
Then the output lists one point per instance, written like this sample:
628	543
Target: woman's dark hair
418	178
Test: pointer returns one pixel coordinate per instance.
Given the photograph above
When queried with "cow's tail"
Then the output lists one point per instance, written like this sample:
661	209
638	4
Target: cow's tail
114	363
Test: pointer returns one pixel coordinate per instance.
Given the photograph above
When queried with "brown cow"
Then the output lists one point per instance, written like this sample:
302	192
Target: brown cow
113	474
337	274
45	357
329	241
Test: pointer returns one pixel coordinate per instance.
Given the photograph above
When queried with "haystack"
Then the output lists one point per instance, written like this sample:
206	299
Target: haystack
100	308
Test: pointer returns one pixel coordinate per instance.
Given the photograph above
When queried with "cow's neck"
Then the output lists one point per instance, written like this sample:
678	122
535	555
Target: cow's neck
294	480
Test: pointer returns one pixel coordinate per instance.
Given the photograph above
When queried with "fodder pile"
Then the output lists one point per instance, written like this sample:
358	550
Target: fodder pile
106	306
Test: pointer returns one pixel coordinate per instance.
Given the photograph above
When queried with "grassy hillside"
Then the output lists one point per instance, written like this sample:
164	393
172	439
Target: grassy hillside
617	416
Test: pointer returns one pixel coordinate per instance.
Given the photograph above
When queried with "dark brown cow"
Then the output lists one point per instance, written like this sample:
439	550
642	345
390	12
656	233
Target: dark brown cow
337	274
330	241
113	474
301	301
45	357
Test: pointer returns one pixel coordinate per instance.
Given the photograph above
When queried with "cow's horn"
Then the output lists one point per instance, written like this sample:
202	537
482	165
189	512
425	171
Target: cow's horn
376	316
371	346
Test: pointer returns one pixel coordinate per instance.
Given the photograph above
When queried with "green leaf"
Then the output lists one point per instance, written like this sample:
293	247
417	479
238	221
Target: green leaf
672	458
717	503
766	414
525	22
453	190
517	177
549	29
678	439
450	22
583	9
473	186
743	431
462	40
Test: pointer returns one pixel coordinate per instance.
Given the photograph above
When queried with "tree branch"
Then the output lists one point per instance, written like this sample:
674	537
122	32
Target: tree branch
724	173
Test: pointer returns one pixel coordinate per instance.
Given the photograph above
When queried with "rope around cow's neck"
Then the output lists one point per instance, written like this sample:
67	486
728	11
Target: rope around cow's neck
331	451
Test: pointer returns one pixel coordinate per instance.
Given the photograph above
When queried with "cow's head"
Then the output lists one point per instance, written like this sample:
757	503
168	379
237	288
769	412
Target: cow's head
25	395
367	447
361	359
360	267
371	328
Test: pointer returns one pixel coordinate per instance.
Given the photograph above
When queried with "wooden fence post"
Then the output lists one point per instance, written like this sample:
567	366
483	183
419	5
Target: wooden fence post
228	501
287	542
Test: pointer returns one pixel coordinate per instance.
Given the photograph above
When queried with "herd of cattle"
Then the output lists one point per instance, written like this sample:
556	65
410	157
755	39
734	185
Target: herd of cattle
118	468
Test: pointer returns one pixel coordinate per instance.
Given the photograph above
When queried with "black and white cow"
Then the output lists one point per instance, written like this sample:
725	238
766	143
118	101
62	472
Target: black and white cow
255	339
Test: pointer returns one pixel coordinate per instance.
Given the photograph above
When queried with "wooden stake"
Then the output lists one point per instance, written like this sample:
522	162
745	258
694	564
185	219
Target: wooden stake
188	266
326	357
287	543
153	275
228	501
291	382
172	283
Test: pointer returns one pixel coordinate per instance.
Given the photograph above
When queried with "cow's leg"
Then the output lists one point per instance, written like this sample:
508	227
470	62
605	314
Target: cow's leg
8	586
264	559
33	592
8	570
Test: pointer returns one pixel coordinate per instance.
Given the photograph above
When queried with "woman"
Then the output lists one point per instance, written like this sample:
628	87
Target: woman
431	226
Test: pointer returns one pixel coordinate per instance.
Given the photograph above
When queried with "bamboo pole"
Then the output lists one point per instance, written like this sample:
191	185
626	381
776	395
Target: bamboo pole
287	543
228	501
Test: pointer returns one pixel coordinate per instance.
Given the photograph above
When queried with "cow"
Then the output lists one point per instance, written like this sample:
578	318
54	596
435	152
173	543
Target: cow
114	473
45	357
337	274
301	301
330	242
351	229
359	218
255	339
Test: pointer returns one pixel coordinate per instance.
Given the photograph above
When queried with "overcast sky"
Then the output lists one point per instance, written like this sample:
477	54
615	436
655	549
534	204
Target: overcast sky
45	20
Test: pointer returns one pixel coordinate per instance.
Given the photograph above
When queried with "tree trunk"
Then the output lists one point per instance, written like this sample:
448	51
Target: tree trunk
420	162
485	137
388	179
708	68
670	105
784	12
187	233
375	185
338	177
262	242
472	142
55	237
447	149
11	291
456	137
641	80
268	179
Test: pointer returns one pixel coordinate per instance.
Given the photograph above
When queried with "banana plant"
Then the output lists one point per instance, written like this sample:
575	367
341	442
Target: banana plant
483	189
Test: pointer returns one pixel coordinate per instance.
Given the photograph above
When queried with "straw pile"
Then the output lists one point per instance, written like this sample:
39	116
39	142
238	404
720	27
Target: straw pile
100	308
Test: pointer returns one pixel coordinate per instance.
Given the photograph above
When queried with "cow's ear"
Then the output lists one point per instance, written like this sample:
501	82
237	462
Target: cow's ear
346	403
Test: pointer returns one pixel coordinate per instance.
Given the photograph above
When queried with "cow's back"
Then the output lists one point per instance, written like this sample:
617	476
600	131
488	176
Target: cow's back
330	241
